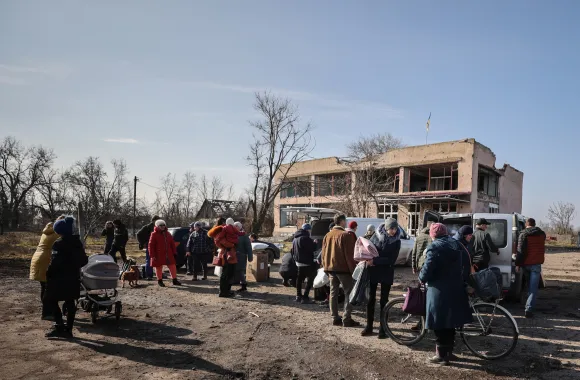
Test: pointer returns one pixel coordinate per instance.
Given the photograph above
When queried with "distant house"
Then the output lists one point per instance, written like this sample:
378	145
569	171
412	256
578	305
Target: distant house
211	209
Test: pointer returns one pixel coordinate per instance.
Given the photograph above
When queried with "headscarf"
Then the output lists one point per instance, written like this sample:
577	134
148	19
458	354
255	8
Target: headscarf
437	230
465	230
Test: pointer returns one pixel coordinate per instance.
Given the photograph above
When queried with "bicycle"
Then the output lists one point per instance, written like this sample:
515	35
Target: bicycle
480	331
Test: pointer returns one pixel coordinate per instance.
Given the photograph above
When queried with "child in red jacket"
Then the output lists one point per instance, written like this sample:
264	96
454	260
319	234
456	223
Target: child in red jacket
226	238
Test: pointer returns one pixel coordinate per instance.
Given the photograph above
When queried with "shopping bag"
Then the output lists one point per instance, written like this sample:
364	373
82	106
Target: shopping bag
361	292
218	271
321	279
415	301
364	250
358	270
485	283
218	260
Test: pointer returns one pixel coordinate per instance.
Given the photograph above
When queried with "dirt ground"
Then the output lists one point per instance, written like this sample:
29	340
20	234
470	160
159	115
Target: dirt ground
188	332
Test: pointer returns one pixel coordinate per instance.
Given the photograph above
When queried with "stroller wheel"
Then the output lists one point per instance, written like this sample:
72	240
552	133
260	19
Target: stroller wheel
94	313
118	310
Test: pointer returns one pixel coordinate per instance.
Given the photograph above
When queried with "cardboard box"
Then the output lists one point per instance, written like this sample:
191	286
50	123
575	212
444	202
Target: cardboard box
258	269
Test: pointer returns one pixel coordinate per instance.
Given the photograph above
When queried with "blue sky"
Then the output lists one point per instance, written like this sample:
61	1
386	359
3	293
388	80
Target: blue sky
175	80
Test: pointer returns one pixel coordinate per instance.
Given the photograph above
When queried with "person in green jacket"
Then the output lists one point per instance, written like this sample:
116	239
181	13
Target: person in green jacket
418	254
245	255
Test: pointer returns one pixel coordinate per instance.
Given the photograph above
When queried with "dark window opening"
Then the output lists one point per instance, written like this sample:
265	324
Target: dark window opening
296	187
434	178
332	185
487	182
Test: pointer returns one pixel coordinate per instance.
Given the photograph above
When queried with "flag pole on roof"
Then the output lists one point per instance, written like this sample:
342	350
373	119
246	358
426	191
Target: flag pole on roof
428	124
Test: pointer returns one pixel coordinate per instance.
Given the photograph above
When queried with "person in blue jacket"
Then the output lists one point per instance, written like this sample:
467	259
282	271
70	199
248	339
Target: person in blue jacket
445	271
387	239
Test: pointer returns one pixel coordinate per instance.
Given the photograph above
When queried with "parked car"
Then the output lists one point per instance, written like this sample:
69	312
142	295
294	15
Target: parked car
320	219
504	231
273	250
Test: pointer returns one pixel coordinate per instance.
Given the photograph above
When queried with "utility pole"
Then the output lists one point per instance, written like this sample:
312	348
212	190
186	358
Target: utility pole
134	204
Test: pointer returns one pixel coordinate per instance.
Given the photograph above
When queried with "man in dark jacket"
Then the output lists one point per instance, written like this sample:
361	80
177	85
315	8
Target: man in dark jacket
197	250
482	245
288	270
303	248
63	277
338	262
418	254
119	240
530	257
109	233
143	237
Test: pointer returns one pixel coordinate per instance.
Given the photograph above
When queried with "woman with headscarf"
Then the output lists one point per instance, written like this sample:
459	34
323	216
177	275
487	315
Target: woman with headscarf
387	239
244	255
445	270
162	251
63	276
370	231
41	259
464	236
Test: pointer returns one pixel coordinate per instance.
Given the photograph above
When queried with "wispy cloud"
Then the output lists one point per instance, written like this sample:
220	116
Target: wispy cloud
21	75
122	141
320	100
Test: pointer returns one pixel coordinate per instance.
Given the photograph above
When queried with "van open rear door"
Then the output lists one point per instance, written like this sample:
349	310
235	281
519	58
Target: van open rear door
431	216
501	232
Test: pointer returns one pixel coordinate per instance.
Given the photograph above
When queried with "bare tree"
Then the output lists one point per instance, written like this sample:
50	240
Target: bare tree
188	186
20	172
210	189
369	181
52	195
561	215
279	143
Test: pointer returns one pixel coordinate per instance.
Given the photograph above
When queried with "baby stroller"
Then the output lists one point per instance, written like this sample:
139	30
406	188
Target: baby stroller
99	280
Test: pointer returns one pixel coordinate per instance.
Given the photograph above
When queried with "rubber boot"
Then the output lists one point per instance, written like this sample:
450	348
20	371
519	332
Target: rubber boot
368	330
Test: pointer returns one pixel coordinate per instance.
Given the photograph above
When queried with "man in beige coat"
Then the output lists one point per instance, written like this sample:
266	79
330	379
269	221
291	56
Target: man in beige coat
338	262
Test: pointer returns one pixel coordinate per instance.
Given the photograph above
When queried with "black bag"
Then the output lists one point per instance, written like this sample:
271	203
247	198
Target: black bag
485	283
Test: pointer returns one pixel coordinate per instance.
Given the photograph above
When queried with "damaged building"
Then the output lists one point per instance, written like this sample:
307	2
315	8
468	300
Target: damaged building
456	176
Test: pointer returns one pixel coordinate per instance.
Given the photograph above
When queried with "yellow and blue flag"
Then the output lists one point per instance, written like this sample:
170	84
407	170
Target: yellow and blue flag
428	121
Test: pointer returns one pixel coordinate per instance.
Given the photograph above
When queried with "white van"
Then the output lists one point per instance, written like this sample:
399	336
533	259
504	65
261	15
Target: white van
504	230
320	219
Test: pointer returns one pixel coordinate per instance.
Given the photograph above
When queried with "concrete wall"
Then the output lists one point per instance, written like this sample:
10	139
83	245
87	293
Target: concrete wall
510	190
482	155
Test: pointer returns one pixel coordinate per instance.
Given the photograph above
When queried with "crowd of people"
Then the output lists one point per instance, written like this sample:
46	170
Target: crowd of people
442	262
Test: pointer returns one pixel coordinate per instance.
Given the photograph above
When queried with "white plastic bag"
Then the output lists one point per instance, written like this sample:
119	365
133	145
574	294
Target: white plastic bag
358	270
218	271
321	279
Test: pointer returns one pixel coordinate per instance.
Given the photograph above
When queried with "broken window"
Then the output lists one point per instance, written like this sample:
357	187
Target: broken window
378	180
433	178
487	182
332	185
387	210
296	187
444	207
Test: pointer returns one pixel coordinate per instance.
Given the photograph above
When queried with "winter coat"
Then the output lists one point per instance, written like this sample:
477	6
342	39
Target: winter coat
383	269
303	248
482	246
162	249
338	251
41	258
63	274
445	270
421	243
288	267
144	234
121	236
531	247
244	253
197	243
110	235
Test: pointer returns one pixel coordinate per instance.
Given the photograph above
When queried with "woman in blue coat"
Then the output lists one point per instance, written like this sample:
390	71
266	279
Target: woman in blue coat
445	270
387	239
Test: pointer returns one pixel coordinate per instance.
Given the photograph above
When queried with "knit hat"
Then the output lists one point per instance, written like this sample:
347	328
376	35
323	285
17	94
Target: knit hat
239	226
230	221
465	230
371	228
197	224
64	226
437	230
391	223
306	227
160	222
352	224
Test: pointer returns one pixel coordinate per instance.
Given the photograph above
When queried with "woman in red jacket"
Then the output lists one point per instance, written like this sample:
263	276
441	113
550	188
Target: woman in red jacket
162	251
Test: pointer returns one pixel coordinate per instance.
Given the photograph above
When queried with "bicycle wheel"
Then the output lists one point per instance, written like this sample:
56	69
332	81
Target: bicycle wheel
403	328
493	333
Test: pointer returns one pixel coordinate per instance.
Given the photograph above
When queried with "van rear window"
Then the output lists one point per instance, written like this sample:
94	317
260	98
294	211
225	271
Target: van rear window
498	232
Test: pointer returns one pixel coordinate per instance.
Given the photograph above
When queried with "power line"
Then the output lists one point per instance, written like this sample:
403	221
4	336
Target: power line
146	184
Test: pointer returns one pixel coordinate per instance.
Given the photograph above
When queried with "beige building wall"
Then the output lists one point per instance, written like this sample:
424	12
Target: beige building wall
510	190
